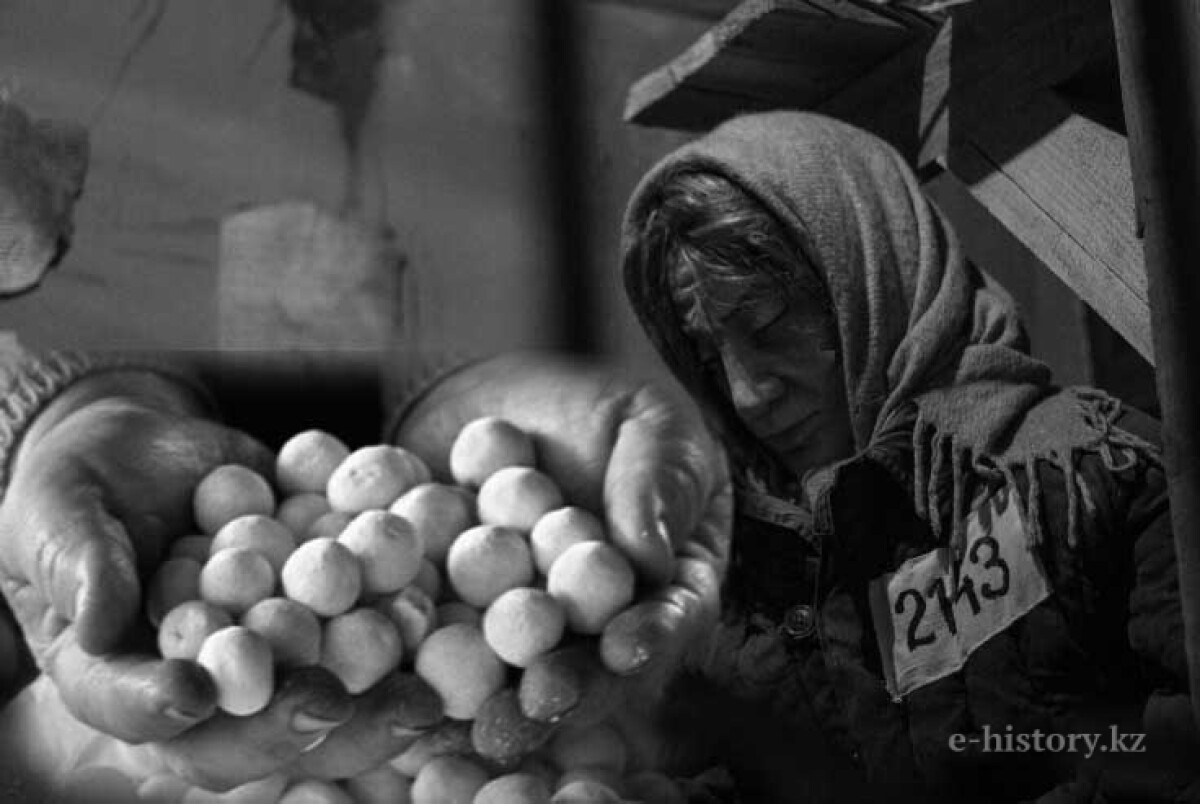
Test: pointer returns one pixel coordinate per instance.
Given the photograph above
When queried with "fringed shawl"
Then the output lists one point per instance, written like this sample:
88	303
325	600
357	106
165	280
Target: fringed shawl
1059	429
919	326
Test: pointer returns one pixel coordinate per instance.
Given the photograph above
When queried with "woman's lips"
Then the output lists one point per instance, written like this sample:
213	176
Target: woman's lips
789	434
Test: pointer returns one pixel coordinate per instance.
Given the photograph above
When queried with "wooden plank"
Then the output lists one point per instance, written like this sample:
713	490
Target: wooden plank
916	86
1068	197
767	54
715	9
1079	173
890	100
1159	47
703	9
1003	51
989	56
1054	317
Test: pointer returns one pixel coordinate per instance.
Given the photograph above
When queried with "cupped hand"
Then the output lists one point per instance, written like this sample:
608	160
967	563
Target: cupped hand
311	729
94	502
636	450
92	506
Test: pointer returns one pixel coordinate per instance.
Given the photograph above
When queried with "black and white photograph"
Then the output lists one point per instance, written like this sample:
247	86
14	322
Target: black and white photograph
599	401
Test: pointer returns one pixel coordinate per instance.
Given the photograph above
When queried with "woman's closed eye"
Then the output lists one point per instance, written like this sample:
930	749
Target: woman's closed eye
765	332
788	328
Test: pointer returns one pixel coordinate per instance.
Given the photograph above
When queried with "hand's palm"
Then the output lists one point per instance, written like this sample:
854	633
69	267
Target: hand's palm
96	498
103	494
111	484
632	450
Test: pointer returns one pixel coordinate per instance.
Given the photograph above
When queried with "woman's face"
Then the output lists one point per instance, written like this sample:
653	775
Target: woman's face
777	360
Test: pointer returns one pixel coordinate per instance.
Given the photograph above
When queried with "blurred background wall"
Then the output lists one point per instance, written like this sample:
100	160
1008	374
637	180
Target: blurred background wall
198	137
191	120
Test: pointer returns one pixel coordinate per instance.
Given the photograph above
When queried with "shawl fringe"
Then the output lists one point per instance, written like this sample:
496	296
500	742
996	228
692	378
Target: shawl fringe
946	466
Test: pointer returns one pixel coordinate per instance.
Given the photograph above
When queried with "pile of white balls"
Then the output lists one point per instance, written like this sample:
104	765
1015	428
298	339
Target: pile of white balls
491	589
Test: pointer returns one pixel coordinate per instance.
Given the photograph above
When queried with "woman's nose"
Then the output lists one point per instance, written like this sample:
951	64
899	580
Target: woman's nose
752	390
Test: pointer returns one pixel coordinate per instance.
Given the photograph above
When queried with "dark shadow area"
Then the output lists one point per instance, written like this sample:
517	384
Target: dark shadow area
1095	93
276	394
1001	76
1119	369
560	89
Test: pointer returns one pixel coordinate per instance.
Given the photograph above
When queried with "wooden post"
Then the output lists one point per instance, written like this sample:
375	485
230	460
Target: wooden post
1158	44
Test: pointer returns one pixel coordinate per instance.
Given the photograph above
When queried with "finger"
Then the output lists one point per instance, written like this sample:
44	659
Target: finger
663	470
388	719
107	592
448	737
79	559
134	698
711	539
227	751
569	684
503	734
656	632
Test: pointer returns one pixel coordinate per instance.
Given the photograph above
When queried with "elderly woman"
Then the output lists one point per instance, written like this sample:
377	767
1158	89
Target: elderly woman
951	579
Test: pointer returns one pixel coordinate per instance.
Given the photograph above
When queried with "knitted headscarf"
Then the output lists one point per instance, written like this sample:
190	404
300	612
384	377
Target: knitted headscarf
918	324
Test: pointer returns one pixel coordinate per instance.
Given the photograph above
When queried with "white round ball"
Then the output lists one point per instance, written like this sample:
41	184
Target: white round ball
486	561
594	582
517	497
230	491
387	547
307	459
559	529
372	477
486	445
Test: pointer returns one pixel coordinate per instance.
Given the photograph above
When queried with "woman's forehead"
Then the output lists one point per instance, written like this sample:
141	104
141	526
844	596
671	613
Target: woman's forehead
707	296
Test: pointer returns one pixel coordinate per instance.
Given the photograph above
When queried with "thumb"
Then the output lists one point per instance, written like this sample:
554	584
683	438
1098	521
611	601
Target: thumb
79	562
656	632
104	589
226	750
664	468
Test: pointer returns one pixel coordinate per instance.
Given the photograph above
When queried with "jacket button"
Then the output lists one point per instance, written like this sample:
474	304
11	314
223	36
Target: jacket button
799	622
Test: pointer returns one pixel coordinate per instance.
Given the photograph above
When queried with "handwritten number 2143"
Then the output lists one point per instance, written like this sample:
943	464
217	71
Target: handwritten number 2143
938	593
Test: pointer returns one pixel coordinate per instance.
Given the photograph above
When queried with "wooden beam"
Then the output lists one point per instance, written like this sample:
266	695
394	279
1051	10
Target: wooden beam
1002	52
1079	173
989	56
893	72
767	54
702	9
1054	317
890	100
1061	184
1159	49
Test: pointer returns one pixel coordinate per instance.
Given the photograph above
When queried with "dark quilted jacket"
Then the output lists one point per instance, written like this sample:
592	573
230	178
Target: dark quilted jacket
793	698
